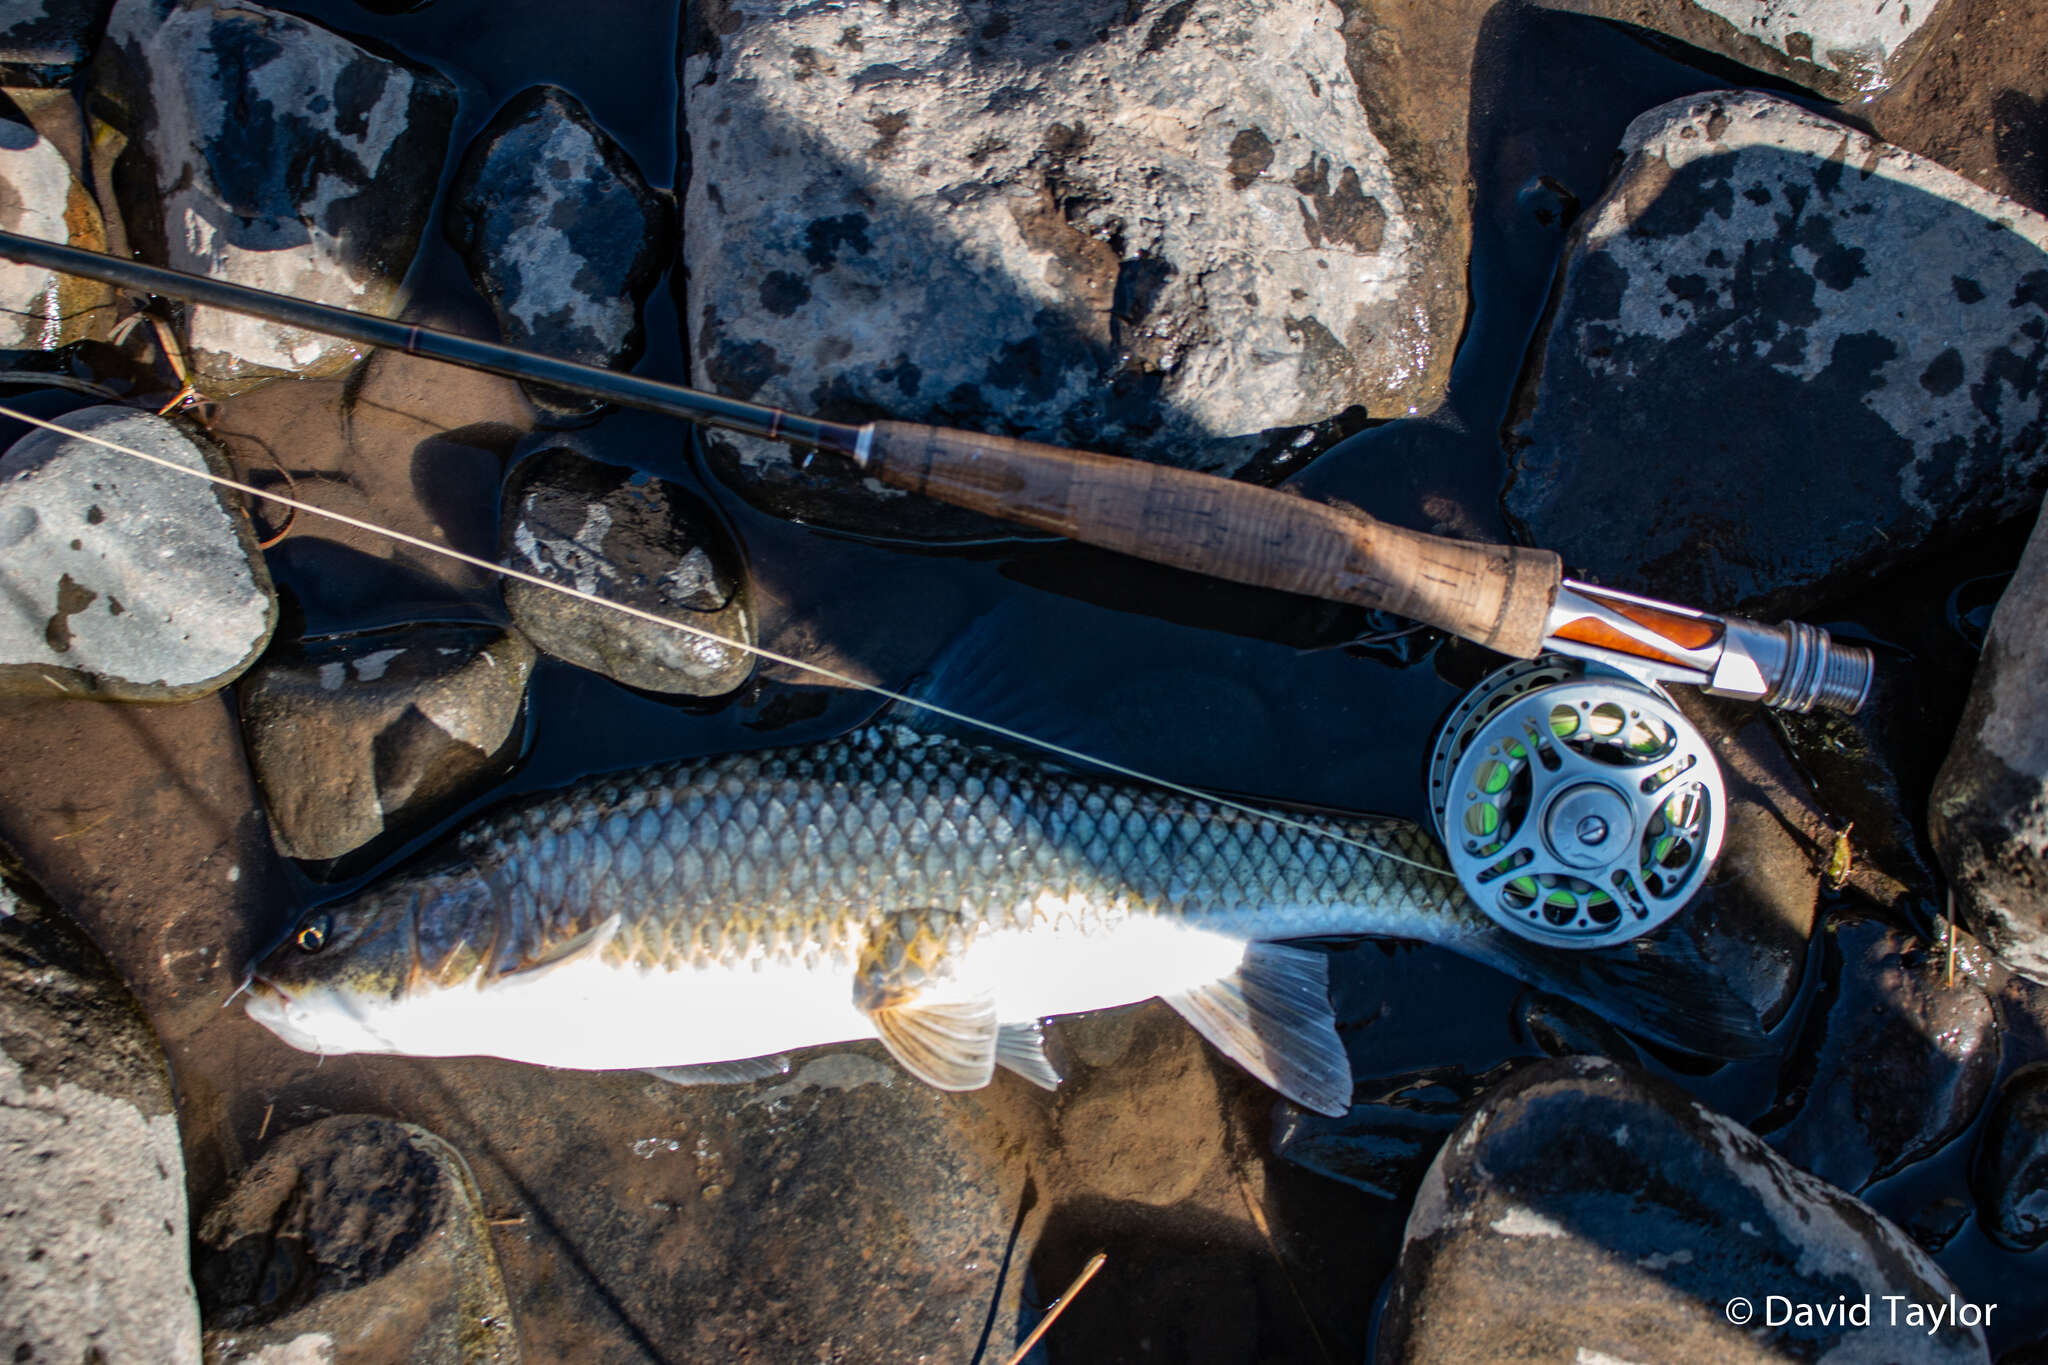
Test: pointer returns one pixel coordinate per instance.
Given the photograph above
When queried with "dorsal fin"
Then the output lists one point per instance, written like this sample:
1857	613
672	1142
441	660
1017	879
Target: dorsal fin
1272	1017
949	1044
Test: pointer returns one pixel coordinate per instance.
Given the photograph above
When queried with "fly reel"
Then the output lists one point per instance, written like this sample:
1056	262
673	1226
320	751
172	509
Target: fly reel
1579	807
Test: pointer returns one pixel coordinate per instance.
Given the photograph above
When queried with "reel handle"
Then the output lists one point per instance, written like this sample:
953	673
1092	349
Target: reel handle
1496	595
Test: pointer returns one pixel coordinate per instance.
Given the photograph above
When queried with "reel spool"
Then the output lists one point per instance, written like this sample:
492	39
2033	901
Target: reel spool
1579	807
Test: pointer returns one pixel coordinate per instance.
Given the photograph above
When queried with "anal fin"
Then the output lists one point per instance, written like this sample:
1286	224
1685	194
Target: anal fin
723	1073
1272	1017
947	1044
1021	1048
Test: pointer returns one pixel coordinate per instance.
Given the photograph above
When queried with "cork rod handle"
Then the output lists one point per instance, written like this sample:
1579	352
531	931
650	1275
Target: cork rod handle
1496	595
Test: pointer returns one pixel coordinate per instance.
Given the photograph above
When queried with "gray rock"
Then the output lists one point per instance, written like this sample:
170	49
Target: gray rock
640	541
121	579
1896	1062
1765	301
268	151
561	233
44	309
1988	815
1586	1212
1167	230
364	739
1841	48
94	1263
354	1241
1387	1141
43	43
2010	1179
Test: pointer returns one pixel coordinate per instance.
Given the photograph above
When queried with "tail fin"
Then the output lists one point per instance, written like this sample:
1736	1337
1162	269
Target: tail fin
1658	987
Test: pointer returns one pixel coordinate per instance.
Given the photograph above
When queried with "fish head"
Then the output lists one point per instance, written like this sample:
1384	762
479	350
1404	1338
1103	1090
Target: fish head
348	974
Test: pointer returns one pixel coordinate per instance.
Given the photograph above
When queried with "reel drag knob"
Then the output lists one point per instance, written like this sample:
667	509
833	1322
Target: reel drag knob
1578	806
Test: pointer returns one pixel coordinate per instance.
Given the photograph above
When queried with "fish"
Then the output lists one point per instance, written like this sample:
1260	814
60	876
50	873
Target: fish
702	919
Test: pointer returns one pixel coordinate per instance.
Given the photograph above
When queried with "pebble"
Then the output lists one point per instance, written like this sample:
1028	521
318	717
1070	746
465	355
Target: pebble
644	542
318	184
1748	308
94	1264
1587	1212
2010	1178
364	739
124	580
562	234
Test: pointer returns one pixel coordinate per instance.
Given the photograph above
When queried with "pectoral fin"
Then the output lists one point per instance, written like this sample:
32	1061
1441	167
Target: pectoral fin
1021	1048
948	1044
573	949
1272	1017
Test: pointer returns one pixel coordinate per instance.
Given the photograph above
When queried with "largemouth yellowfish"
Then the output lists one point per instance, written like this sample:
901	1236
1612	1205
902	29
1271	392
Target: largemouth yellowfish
695	918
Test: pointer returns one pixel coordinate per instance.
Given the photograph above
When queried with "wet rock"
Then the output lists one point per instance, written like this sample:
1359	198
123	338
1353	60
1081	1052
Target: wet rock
94	1263
1385	1144
370	737
562	234
44	309
354	1241
1839	47
1561	1028
1895	1062
1580	1183
1754	919
120	579
1934	1224
1160	230
2011	1175
629	538
1744	310
43	43
268	151
1988	815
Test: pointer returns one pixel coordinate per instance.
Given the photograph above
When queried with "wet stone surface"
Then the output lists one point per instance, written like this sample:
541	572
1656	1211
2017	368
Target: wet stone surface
120	579
562	234
1840	48
364	739
44	309
354	1241
1165	230
1896	1062
92	1177
2011	1175
1582	1182
1392	1134
317	185
646	542
1988	816
43	43
1765	299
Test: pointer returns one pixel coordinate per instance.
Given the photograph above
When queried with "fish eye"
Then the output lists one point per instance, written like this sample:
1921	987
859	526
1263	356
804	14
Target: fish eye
312	935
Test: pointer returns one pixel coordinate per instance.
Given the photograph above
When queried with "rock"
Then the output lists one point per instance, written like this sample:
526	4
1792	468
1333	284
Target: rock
1158	229
354	1241
368	738
1988	814
562	234
94	1264
1587	1212
268	151
641	541
41	309
1747	308
43	43
1387	1141
1841	48
1894	1064
1560	1028
121	579
2010	1179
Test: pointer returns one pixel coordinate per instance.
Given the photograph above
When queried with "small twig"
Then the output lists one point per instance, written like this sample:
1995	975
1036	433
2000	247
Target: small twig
264	1129
1951	981
507	1222
1251	1204
1056	1307
82	829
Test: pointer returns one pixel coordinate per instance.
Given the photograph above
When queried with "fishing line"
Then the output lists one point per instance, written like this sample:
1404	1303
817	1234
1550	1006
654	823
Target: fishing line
758	651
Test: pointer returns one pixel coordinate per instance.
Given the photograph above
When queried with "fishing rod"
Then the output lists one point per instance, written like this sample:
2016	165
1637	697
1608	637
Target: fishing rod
1577	804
